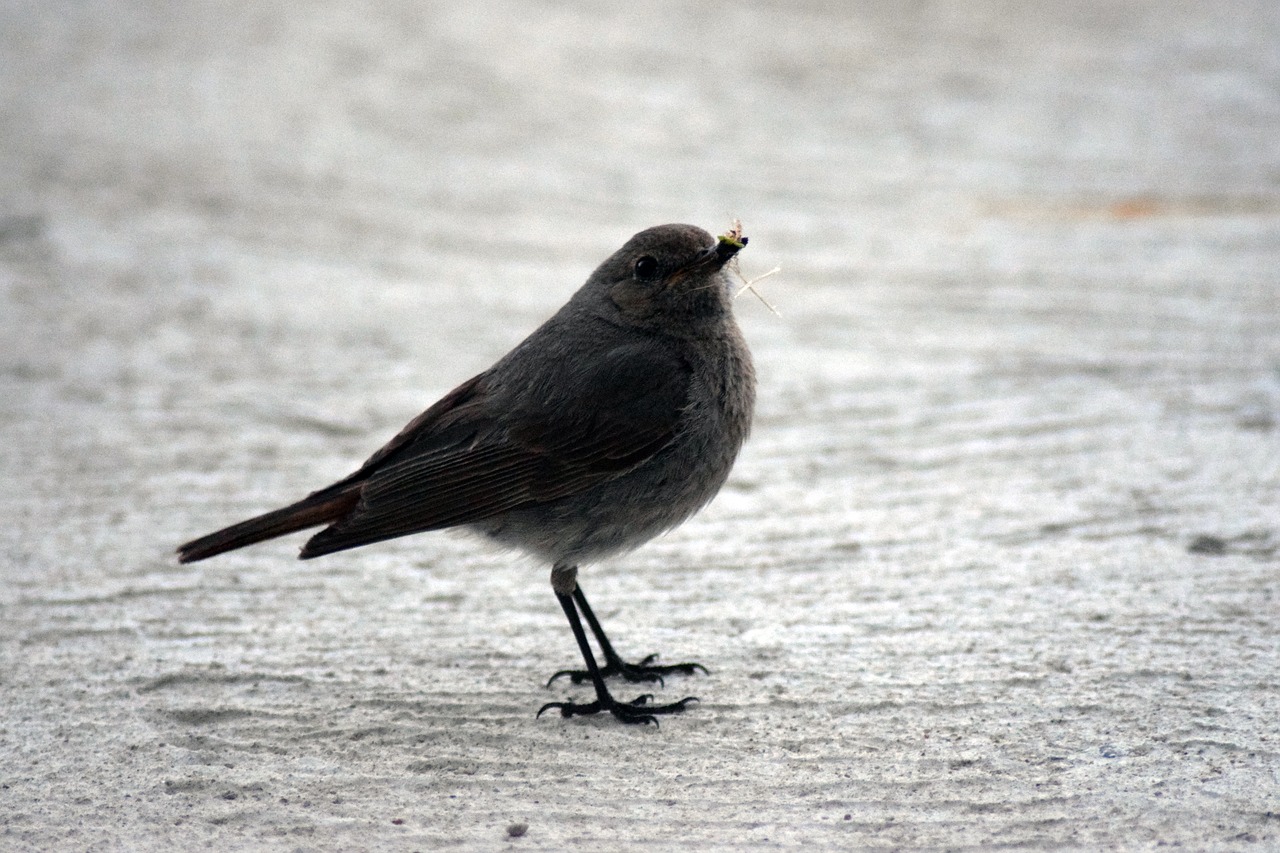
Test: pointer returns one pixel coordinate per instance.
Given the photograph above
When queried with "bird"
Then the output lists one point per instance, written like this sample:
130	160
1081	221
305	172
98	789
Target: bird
614	421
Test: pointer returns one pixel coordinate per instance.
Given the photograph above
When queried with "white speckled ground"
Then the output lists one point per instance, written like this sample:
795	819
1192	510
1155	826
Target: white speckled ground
998	568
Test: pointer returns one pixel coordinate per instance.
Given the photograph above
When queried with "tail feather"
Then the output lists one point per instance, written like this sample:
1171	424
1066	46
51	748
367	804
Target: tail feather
313	511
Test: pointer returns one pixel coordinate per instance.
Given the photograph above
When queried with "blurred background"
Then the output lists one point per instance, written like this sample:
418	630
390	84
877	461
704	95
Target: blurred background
997	567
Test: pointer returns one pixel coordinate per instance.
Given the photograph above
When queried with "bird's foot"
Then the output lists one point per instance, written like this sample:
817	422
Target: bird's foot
637	711
646	671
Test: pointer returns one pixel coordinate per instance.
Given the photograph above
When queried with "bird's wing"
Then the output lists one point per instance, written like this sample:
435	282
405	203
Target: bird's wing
464	460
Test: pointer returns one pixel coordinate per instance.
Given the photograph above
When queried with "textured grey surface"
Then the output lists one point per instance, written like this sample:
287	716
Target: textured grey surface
998	567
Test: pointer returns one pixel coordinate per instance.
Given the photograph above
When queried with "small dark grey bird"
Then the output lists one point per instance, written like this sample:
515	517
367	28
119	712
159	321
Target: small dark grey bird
616	420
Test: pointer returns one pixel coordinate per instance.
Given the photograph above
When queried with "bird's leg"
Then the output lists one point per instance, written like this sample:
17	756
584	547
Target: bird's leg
644	671
638	710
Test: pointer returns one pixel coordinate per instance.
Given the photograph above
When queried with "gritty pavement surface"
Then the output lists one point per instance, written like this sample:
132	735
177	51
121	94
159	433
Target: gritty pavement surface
998	567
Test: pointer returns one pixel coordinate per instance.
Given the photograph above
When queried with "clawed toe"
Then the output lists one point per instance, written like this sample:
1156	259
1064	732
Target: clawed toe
636	712
644	672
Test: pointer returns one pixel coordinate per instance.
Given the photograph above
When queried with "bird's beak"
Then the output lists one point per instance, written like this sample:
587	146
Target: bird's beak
718	255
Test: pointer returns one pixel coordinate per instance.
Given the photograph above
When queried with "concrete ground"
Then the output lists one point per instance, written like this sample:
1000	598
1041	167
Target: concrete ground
998	567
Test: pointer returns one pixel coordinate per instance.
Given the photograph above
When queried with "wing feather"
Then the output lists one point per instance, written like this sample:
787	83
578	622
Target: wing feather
476	454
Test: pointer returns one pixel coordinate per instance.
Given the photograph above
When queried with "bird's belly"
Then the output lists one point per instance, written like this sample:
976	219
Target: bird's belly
619	514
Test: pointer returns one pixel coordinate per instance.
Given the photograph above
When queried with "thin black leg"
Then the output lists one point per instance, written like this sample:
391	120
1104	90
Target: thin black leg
644	671
638	710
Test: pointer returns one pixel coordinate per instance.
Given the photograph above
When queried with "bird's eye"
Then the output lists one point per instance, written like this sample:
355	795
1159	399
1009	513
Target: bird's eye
647	268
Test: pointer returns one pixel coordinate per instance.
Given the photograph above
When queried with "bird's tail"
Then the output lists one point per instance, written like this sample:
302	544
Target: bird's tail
323	507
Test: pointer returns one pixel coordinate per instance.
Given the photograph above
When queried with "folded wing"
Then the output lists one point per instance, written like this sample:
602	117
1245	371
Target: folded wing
482	451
